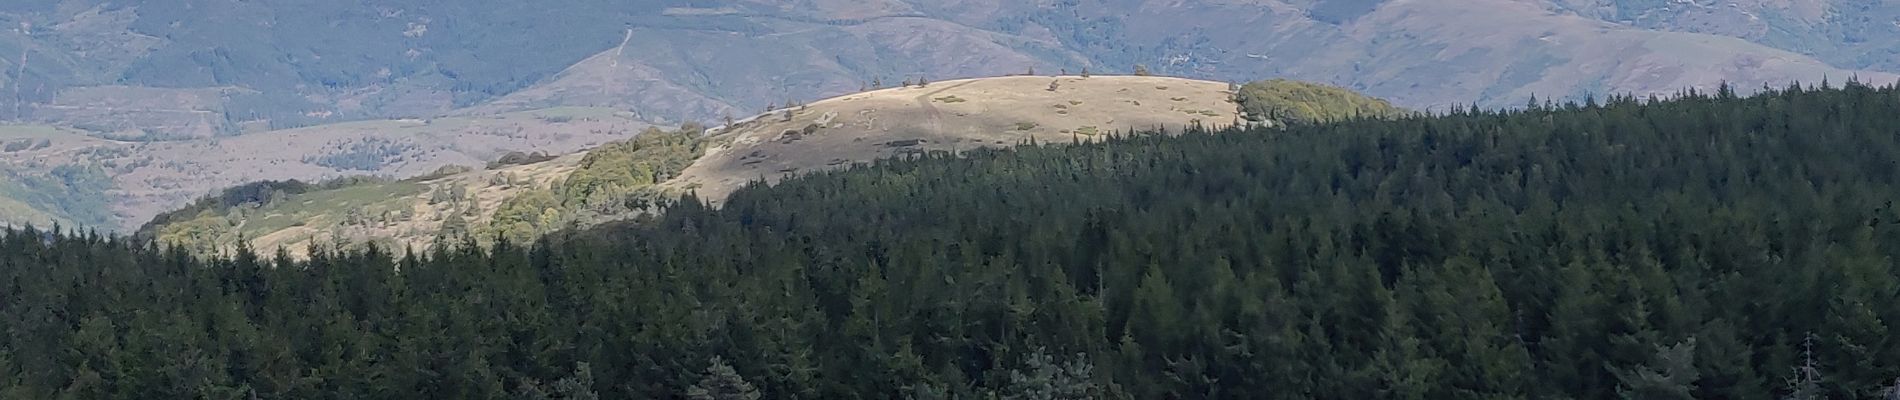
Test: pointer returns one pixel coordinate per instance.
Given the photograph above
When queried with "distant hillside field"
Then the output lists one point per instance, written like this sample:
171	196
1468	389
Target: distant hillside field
623	179
137	180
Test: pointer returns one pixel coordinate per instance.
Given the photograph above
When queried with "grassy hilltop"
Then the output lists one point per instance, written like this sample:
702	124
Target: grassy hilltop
617	180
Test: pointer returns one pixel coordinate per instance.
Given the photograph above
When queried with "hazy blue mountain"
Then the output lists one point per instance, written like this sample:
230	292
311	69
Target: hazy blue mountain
1861	34
194	68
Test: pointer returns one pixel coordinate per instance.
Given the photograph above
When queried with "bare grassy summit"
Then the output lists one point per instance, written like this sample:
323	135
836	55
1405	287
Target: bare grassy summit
954	115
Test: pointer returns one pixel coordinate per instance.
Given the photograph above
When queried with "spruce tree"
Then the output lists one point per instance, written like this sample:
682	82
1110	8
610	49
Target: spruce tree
1671	375
1805	384
1043	377
721	382
579	386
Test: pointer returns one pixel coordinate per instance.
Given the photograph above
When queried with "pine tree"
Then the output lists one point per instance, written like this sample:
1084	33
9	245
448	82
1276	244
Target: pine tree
579	386
1855	335
1807	379
1042	377
1726	364
925	391
1671	375
1470	321
1572	347
721	382
1155	319
529	389
1403	368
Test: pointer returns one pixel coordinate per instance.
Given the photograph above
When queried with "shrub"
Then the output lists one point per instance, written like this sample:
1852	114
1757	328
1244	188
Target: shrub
519	158
1294	102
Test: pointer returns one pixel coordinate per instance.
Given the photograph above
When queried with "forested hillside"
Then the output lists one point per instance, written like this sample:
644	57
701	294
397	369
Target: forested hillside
1708	247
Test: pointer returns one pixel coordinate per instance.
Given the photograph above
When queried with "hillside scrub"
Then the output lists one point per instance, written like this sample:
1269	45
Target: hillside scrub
519	158
367	155
522	217
1707	247
603	188
254	194
73	195
369	209
616	168
210	224
1294	102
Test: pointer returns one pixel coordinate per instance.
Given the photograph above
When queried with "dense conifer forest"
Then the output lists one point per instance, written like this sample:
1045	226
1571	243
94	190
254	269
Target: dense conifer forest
1710	246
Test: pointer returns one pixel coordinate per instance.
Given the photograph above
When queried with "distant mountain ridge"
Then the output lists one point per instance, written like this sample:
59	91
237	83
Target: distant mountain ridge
1849	34
193	68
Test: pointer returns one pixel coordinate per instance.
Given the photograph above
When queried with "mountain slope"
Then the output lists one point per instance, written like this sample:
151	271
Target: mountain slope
1417	53
1424	54
291	63
672	75
957	115
1847	33
624	179
143	179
